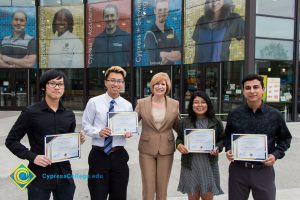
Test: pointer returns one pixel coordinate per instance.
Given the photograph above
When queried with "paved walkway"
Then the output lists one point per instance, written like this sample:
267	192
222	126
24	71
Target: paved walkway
287	169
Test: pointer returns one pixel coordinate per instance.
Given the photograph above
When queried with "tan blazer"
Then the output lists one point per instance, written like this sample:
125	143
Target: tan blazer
153	140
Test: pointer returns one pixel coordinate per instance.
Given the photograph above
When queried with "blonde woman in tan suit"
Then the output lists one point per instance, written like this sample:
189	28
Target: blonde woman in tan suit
160	115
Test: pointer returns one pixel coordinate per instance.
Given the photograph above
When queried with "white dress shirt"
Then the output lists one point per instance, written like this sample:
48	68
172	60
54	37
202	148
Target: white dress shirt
94	118
65	51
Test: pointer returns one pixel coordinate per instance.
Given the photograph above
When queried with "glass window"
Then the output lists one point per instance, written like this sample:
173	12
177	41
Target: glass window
284	71
73	97
274	27
5	3
59	2
108	43
154	45
61	46
23	2
273	49
12	18
205	77
96	77
232	95
213	37
283	8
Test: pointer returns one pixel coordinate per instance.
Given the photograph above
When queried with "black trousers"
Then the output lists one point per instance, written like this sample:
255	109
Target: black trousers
60	192
260	180
114	173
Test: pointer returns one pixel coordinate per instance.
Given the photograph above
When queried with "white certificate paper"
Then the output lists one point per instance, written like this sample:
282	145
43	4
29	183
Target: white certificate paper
62	147
249	147
121	122
199	140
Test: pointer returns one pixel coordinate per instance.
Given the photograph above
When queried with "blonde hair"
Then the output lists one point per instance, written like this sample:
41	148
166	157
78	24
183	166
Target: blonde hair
115	69
161	76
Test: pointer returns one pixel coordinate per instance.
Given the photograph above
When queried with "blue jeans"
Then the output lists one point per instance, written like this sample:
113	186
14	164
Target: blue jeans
61	192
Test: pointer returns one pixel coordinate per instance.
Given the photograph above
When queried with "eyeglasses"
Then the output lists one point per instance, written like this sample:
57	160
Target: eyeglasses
118	81
53	85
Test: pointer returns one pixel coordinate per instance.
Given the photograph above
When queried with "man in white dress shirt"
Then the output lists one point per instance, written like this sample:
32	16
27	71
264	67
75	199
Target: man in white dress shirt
111	165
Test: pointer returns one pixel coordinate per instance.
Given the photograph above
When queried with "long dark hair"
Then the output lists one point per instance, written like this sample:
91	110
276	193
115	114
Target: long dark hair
210	108
226	10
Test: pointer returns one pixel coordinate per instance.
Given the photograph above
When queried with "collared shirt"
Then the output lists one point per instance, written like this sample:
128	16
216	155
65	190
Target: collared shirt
111	49
94	118
266	120
18	47
157	41
66	51
37	121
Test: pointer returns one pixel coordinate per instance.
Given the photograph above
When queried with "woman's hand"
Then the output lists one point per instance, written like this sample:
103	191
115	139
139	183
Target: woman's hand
214	152
182	149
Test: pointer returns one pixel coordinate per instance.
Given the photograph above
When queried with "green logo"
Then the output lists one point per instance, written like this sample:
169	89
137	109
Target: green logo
22	176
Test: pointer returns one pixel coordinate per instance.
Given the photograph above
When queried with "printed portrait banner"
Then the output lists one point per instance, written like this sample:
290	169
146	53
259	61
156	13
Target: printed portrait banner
207	39
60	42
151	46
108	33
28	42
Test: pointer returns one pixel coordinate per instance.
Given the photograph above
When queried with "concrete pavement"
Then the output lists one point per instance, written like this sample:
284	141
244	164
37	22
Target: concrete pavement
287	169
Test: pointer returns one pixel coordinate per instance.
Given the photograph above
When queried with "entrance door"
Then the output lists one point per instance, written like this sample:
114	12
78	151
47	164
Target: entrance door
14	89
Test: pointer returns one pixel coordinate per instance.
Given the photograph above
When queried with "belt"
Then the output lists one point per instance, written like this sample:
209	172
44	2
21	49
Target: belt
250	165
114	149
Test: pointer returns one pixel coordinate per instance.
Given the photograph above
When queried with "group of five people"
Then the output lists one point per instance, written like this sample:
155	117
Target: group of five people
159	115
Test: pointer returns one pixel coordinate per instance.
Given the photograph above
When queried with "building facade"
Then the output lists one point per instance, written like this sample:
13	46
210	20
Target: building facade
204	45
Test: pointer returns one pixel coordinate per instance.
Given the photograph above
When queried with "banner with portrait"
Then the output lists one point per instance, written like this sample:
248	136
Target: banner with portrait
108	32
61	37
157	32
20	23
214	31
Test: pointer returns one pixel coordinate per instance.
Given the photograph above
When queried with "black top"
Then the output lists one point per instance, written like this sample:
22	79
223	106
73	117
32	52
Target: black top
266	120
18	47
38	121
157	41
109	50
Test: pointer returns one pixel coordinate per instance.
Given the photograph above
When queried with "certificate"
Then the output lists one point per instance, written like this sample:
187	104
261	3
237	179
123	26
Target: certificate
121	122
62	147
249	147
199	140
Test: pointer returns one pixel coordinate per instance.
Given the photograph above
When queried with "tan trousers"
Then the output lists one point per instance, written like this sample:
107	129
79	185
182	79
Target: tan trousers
156	172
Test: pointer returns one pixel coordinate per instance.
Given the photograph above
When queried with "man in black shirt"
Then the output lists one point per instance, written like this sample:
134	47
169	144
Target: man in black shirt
48	117
18	49
255	117
161	42
113	45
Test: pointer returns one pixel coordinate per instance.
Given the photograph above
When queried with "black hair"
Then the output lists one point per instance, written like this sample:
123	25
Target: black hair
210	108
49	75
251	77
226	10
111	6
19	11
69	17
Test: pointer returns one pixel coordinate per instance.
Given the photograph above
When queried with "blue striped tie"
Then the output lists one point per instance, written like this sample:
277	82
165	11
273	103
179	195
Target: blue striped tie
108	140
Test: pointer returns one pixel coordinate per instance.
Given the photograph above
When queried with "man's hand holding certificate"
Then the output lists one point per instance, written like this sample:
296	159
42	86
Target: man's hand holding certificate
199	140
249	147
62	147
122	122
